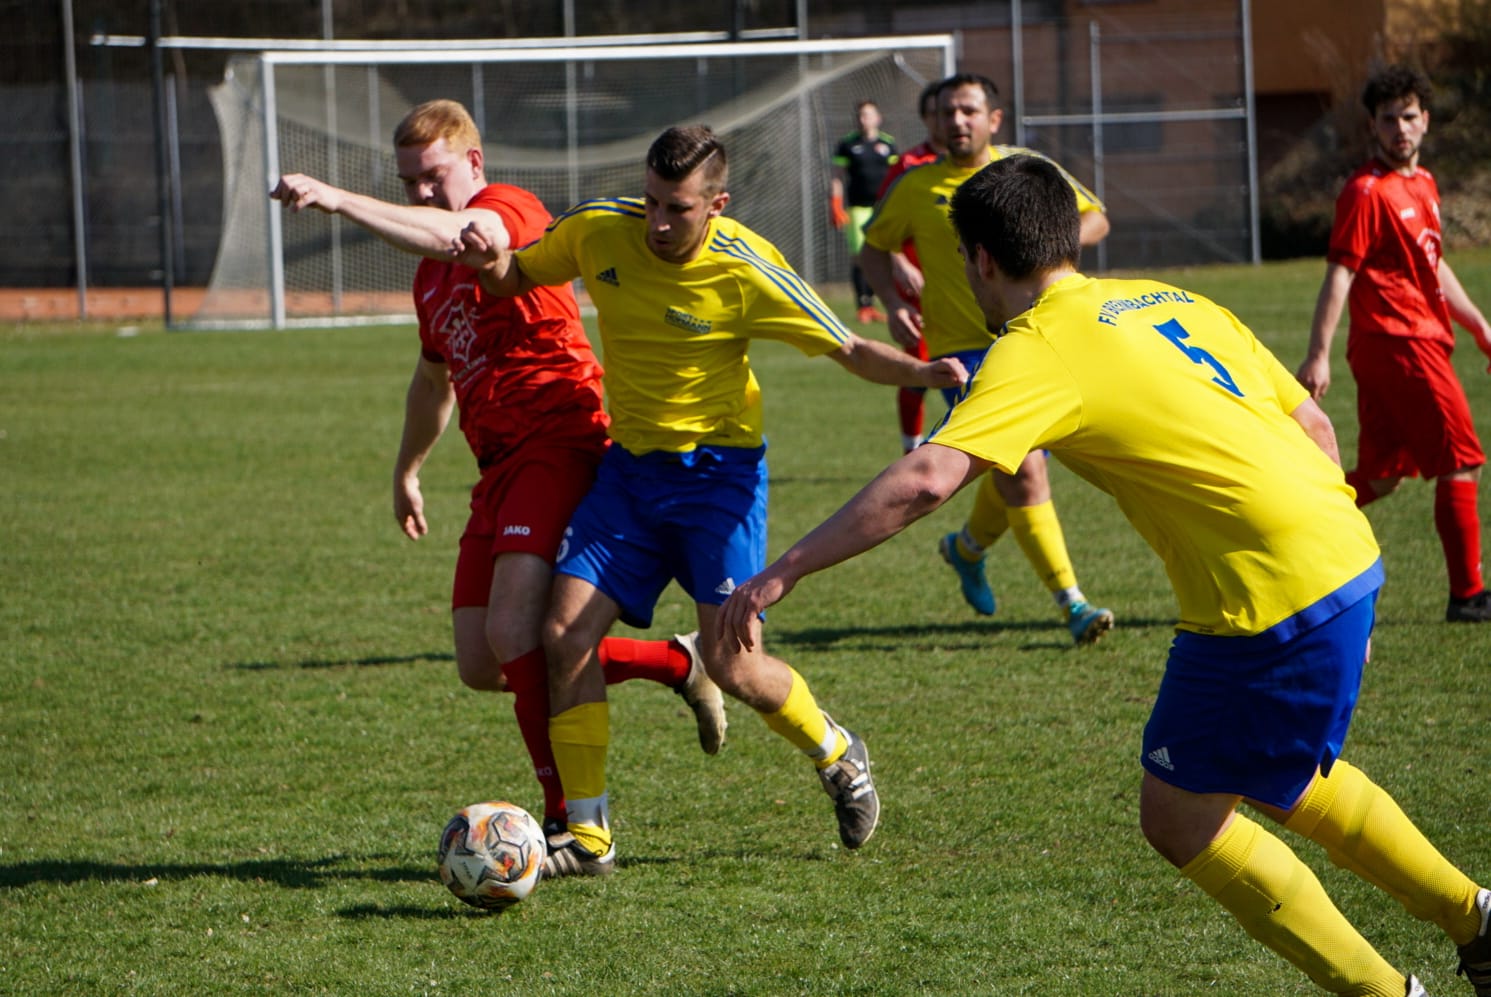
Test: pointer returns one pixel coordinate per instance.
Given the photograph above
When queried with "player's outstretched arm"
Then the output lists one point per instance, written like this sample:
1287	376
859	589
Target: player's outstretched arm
488	252
427	410
881	363
900	495
1462	309
297	192
902	318
413	228
1315	371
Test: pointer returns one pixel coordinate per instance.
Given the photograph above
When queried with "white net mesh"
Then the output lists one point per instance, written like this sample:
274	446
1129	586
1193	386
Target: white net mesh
566	130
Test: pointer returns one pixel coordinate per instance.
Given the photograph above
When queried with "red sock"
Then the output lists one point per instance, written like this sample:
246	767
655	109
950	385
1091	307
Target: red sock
528	677
1364	493
909	407
623	659
1459	525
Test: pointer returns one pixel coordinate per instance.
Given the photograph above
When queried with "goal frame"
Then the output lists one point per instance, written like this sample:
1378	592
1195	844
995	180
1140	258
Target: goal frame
569	54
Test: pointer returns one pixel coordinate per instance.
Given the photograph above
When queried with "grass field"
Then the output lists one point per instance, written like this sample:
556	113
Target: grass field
230	728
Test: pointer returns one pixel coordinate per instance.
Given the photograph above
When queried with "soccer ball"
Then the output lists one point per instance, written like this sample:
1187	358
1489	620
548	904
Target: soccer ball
491	855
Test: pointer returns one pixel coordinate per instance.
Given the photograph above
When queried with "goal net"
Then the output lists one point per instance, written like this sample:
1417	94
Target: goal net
566	123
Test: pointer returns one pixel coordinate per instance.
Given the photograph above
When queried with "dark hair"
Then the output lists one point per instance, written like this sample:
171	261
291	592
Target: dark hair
971	80
928	96
679	151
1396	83
1023	211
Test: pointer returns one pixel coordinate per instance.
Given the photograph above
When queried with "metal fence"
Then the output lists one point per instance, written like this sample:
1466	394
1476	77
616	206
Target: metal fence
1153	110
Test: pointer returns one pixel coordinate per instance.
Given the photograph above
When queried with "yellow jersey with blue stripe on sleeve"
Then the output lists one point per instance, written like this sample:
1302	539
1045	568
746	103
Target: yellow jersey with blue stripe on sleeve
916	208
674	336
1166	401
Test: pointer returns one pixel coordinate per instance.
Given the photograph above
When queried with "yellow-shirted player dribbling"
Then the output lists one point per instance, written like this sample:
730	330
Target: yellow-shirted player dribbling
680	291
1229	470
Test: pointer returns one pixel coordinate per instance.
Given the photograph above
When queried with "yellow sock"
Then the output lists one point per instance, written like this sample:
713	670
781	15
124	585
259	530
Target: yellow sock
1364	831
987	520
801	722
1038	532
1278	900
579	737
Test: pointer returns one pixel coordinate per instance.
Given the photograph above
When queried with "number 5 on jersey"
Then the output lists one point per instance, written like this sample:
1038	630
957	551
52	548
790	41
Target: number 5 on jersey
1176	333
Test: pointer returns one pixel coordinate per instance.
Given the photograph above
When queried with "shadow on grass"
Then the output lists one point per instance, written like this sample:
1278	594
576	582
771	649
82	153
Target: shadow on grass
947	636
405	912
365	662
294	873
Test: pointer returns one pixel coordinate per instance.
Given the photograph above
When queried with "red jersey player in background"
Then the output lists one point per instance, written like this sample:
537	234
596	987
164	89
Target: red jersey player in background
904	265
1385	261
528	388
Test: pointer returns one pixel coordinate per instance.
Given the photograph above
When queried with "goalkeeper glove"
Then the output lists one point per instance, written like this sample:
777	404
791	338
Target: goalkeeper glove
836	211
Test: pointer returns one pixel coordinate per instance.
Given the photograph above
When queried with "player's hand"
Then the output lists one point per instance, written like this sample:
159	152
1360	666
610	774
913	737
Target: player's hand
478	246
739	616
905	324
1315	375
836	212
908	279
297	192
409	506
947	372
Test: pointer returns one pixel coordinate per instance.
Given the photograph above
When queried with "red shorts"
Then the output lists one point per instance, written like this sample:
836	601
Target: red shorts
1415	420
522	504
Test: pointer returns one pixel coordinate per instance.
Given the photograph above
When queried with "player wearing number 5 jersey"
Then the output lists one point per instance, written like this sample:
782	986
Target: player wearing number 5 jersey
1229	470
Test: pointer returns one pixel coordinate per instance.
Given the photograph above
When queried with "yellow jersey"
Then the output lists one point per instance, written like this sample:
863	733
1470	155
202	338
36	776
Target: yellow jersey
915	208
674	336
1167	402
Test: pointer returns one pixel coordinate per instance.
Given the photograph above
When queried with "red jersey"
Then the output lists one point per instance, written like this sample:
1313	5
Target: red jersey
1387	232
522	367
915	156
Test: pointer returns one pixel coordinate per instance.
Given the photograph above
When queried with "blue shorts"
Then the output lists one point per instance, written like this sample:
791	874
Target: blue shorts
1255	716
698	517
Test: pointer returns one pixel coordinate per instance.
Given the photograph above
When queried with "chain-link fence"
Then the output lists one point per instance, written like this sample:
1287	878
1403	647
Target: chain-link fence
1153	112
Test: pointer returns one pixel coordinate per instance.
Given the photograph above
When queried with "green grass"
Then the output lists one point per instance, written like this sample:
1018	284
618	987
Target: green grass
230	728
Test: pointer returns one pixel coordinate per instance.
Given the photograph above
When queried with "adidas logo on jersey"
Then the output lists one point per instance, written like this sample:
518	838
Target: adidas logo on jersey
725	587
608	276
1161	757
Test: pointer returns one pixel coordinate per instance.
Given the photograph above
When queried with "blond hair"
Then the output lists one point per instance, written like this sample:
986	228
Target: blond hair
438	119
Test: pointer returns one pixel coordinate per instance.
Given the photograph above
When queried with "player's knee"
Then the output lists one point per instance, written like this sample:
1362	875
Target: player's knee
566	650
509	634
480	672
1384	487
1160	833
1026	487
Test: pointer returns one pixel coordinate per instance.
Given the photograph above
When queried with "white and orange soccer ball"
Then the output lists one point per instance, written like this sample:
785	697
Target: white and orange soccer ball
492	854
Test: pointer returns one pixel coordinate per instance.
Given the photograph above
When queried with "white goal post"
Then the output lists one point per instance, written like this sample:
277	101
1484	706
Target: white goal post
566	122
